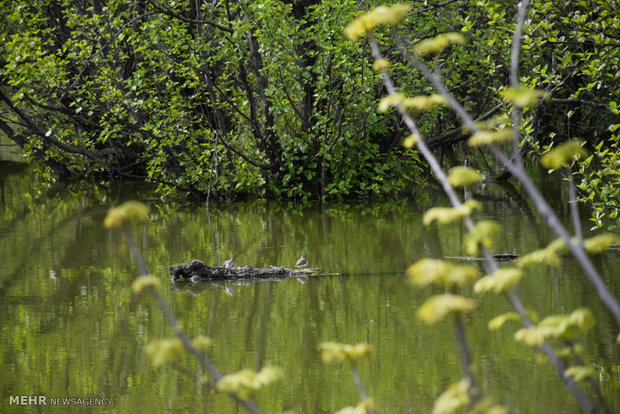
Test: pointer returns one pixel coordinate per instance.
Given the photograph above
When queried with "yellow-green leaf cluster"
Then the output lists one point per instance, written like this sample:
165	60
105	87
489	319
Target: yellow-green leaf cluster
500	121
202	342
548	255
499	321
500	281
435	45
337	352
438	306
362	408
381	64
162	351
143	282
415	104
488	137
481	235
410	141
523	96
423	103
563	155
245	382
460	176
583	319
390	101
600	243
557	326
441	272
125	213
365	23
572	350
488	406
445	215
579	373
453	399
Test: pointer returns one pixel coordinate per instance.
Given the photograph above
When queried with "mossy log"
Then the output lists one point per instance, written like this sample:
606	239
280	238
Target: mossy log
198	271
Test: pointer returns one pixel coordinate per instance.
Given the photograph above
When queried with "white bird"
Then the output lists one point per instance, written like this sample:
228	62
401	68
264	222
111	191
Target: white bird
302	262
228	264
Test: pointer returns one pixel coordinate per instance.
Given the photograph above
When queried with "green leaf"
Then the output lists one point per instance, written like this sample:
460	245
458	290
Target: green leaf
390	101
461	176
583	319
440	272
563	155
162	351
363	407
488	137
580	373
481	235
142	282
523	96
453	399
565	327
601	242
445	215
246	381
438	306
423	103
366	22
125	213
410	141
333	351
500	281
499	321
548	255
435	45
202	342
380	64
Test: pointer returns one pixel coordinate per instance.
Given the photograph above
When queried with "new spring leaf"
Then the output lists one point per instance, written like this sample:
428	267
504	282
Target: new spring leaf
564	155
499	281
461	176
437	307
435	45
246	381
125	213
445	215
333	351
365	23
440	272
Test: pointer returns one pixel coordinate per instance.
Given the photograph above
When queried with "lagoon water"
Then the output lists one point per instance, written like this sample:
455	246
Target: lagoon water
71	327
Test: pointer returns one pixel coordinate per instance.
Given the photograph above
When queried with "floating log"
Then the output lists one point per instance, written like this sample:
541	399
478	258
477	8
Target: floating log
198	271
501	257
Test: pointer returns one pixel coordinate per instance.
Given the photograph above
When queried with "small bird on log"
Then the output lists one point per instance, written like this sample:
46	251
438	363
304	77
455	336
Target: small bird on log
228	264
302	262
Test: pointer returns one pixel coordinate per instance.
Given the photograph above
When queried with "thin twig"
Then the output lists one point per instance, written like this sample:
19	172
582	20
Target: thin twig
516	114
360	387
466	359
572	202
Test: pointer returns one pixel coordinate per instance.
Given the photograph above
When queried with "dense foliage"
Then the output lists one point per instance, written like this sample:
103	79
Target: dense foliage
235	97
267	98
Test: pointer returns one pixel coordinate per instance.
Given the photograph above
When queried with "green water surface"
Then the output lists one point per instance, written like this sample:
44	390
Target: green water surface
71	327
